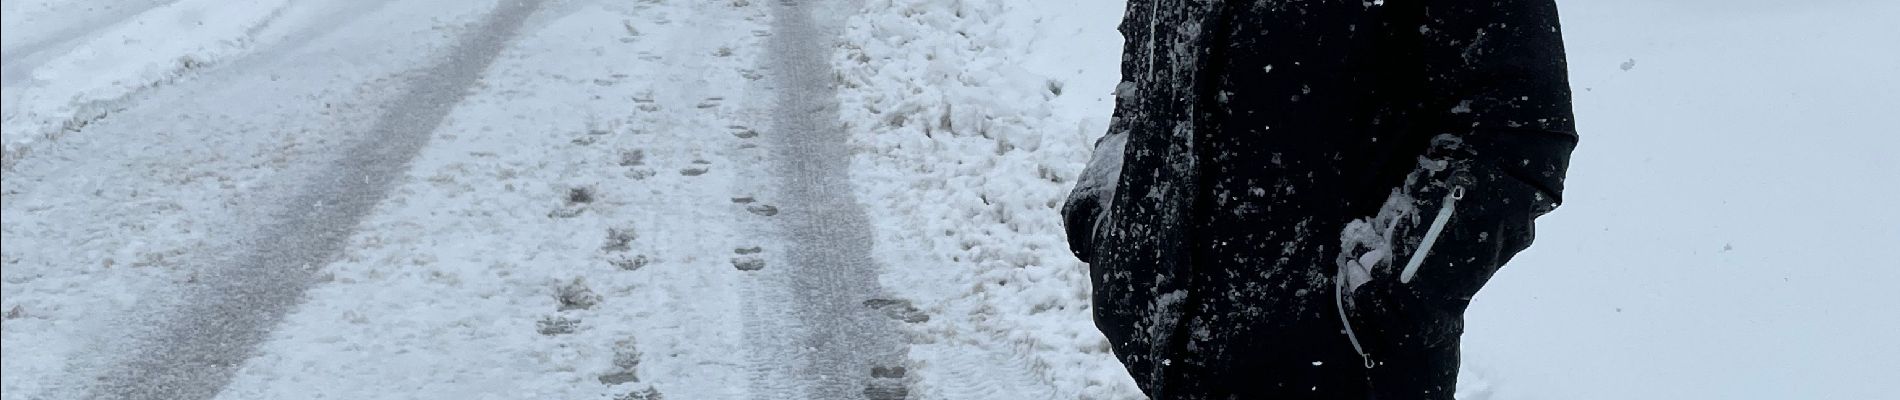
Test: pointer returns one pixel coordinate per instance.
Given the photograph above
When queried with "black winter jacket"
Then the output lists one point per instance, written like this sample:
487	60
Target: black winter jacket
1271	144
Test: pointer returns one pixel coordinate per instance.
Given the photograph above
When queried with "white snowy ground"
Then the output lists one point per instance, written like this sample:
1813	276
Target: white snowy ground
965	150
1724	234
101	228
488	273
71	62
484	278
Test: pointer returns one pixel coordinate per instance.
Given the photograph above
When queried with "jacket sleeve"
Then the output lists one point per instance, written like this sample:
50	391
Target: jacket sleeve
1498	77
1088	211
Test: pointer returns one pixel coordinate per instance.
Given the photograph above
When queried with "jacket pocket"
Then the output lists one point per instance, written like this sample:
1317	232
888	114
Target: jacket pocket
1484	218
1437	241
1089	210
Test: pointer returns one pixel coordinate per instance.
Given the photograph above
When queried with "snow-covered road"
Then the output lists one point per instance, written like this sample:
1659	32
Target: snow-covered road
432	199
191	353
161	244
424	199
818	325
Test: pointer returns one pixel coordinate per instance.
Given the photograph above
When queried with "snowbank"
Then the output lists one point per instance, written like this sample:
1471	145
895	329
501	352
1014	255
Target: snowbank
970	121
73	88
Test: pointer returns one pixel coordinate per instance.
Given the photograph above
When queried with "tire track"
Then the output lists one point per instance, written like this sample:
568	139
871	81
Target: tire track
193	351
811	322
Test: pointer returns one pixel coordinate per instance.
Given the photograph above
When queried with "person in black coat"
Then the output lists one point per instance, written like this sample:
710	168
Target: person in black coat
1298	199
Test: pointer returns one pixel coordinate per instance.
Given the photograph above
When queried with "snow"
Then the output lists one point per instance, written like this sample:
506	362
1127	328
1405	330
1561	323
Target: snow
1718	242
104	230
530	254
571	229
154	46
1723	214
37	29
971	121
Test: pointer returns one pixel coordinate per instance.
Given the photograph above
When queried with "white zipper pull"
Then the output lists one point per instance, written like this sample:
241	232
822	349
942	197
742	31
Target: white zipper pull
1431	235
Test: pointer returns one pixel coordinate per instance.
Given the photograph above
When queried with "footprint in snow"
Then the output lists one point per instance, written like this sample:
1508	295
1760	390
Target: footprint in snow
887	383
619	378
762	210
556	325
742	131
619	239
626	361
895	372
632	158
900	310
567	212
645	394
630	263
580	195
631	31
699	168
743	200
575	295
748	263
748	250
576	199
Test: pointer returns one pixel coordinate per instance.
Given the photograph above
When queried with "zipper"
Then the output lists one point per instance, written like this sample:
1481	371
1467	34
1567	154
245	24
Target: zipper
1431	235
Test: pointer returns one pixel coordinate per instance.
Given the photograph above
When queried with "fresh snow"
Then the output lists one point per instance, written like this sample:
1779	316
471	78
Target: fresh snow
86	81
971	121
1725	213
1718	238
599	216
108	228
549	243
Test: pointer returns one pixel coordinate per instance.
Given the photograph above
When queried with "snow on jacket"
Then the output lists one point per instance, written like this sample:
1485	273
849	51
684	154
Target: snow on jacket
1270	143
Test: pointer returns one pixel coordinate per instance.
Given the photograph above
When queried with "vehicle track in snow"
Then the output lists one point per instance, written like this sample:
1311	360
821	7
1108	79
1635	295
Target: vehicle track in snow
193	353
814	319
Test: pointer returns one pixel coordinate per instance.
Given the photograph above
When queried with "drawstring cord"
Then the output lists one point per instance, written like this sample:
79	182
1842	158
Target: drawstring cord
1339	298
